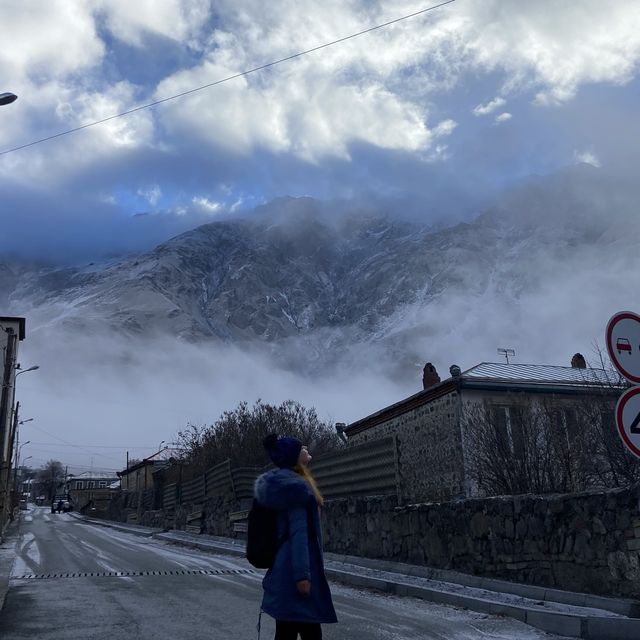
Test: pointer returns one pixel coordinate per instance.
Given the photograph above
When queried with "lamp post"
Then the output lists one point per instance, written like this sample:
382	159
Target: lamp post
20	448
7	98
15	406
34	368
15	471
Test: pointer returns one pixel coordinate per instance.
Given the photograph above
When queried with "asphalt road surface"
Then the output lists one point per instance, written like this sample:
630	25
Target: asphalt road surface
143	588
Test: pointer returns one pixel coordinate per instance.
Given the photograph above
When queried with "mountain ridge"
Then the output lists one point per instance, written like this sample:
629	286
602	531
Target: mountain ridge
288	274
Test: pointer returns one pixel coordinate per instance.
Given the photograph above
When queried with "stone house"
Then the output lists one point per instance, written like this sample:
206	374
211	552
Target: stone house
139	477
90	490
429	426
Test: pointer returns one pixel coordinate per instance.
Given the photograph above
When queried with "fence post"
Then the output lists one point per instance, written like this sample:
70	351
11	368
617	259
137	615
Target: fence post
396	461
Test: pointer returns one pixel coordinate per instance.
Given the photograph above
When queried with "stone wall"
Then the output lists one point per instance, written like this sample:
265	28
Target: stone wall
585	542
429	447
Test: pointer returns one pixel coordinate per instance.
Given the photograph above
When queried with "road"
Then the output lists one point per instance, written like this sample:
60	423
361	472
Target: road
161	591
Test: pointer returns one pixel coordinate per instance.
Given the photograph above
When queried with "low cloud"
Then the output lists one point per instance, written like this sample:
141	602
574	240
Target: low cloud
588	157
104	389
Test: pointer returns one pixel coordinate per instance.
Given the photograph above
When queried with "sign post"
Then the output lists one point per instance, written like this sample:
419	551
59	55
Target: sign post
623	345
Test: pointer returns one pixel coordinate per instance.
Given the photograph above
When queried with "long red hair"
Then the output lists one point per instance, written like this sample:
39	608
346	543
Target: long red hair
306	474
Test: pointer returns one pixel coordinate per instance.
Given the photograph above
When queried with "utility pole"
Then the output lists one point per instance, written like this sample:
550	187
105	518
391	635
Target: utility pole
6	438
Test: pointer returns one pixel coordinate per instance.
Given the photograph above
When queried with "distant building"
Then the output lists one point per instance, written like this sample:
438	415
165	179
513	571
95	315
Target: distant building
90	491
139	477
429	425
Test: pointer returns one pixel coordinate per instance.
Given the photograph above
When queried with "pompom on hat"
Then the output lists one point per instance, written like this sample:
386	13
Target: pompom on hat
284	452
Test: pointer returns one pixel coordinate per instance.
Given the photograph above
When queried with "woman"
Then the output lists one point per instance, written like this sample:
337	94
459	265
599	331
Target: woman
296	592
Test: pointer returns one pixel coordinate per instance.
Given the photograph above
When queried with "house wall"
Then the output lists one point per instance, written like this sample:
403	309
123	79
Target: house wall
138	479
434	453
429	449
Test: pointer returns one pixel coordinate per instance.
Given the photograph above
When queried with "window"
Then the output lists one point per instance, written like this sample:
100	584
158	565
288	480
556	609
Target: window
499	421
508	424
79	484
516	429
92	484
102	484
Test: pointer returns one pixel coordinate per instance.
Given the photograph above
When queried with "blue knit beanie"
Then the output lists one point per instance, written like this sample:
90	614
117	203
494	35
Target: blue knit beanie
284	452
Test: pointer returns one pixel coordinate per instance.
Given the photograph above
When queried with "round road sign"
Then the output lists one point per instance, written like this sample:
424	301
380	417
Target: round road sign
623	344
628	419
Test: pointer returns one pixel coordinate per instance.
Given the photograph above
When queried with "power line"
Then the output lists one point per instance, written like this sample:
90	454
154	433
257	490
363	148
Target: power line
79	466
97	446
228	78
70	444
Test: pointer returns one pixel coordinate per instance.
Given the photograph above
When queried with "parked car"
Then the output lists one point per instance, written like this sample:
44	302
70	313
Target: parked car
623	344
62	502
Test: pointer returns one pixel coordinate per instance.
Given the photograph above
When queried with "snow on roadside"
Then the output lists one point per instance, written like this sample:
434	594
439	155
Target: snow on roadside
475	592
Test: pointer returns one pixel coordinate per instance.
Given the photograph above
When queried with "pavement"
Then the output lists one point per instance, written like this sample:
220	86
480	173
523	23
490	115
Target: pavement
563	613
7	558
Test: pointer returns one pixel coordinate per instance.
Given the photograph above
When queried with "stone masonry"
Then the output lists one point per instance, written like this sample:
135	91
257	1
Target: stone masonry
584	542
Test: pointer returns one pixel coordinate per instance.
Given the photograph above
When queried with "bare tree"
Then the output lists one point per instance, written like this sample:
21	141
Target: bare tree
237	435
548	445
49	478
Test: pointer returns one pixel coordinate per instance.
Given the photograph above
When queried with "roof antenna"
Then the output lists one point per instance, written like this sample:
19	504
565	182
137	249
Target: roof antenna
506	353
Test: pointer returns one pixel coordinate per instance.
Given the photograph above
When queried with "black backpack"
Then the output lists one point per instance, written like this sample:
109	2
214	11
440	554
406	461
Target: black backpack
262	536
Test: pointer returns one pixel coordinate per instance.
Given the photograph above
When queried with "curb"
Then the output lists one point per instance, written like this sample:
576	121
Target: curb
138	530
565	624
621	606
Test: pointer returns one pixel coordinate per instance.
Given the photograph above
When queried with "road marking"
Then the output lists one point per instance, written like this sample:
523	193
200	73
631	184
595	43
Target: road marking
133	574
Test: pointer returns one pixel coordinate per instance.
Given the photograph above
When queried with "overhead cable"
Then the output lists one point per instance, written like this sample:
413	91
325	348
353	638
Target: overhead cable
228	78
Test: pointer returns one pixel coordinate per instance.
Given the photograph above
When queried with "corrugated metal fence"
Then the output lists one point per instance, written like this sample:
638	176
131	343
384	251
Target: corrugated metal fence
367	469
364	470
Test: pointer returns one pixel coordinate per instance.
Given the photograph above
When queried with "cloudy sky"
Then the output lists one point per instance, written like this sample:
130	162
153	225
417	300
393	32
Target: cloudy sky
430	117
432	114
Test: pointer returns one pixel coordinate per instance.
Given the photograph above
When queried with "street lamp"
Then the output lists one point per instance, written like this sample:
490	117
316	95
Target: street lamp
34	368
7	98
20	447
27	420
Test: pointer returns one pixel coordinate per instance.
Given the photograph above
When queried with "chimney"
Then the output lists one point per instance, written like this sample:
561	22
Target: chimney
340	427
429	376
455	371
578	361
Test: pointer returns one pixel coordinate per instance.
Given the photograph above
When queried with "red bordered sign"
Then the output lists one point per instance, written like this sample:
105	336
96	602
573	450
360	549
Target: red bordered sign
628	419
623	344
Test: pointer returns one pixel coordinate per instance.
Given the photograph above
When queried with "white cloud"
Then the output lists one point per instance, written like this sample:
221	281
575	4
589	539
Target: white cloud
503	117
151	194
484	109
178	20
380	89
587	157
555	47
207	205
45	40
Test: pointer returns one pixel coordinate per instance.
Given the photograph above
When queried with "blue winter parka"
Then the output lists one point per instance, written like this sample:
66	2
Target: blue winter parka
299	556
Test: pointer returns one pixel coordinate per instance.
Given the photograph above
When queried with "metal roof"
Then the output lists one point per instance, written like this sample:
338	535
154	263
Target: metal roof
502	377
541	373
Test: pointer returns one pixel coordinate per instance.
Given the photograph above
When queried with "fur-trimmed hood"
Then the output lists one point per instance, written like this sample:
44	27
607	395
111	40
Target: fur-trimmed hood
282	489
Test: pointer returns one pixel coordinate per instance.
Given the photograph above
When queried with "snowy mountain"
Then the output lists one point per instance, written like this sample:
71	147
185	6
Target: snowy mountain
310	287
